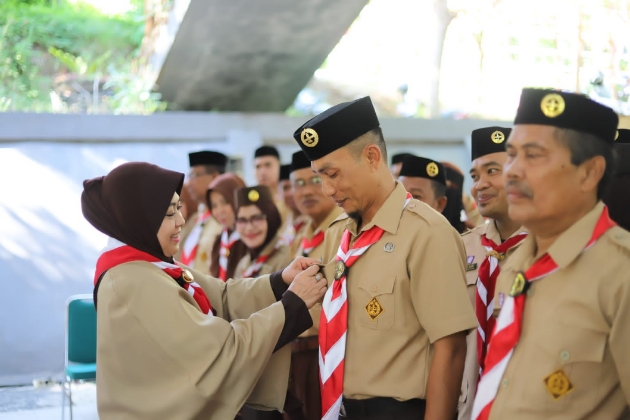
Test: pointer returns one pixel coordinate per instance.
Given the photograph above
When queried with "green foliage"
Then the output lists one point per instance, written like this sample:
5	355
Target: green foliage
41	40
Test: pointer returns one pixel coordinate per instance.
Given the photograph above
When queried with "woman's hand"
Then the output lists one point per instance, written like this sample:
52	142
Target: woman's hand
310	286
296	267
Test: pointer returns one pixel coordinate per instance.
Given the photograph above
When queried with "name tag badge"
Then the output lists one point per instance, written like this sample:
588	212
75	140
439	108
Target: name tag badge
471	267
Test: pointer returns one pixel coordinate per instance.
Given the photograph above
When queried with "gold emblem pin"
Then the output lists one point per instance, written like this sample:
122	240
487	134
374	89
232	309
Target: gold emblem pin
552	105
340	270
558	384
432	169
518	286
187	276
616	135
389	247
253	196
374	309
497	137
309	137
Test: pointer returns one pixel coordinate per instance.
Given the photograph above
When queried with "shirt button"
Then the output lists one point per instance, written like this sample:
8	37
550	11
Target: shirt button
565	355
505	382
374	288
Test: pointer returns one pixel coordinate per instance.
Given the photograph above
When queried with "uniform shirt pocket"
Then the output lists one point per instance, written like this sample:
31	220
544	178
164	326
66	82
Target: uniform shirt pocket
378	303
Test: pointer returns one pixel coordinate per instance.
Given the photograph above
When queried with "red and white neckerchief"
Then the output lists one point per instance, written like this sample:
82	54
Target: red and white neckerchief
254	268
189	250
117	253
308	245
227	241
333	325
508	329
487	278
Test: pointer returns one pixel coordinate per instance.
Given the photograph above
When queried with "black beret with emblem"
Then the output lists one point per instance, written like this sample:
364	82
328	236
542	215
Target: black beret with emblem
266	151
485	141
398	158
206	157
420	167
285	171
336	127
252	195
299	161
567	110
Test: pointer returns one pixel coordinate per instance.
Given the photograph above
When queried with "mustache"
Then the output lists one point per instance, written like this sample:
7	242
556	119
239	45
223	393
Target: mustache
520	187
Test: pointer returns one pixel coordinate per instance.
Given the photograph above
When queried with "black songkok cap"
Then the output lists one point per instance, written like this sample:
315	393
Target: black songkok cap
299	161
336	127
488	140
252	195
567	110
207	158
266	151
421	167
285	170
398	158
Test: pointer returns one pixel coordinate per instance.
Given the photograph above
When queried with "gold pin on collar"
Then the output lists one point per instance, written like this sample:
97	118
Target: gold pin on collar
187	276
519	285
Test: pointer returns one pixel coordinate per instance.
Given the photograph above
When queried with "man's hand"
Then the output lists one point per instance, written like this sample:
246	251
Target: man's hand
296	267
310	285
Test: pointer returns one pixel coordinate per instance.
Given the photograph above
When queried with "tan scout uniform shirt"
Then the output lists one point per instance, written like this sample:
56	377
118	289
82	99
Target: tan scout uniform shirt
420	285
211	229
277	261
475	254
159	357
318	254
576	319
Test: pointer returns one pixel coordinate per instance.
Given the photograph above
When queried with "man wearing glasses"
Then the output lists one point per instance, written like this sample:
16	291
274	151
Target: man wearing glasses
322	211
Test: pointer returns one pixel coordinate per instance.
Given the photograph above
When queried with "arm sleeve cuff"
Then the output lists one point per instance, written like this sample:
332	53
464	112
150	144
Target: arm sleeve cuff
277	284
297	319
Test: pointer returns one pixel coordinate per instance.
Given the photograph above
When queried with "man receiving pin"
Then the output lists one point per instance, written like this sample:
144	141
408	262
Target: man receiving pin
487	249
560	345
425	179
393	328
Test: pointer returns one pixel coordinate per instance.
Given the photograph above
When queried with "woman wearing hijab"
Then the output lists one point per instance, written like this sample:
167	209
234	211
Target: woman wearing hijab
227	249
170	345
258	223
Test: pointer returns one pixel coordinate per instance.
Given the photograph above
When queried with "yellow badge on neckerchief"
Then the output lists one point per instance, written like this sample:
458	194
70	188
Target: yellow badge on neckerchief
558	384
374	309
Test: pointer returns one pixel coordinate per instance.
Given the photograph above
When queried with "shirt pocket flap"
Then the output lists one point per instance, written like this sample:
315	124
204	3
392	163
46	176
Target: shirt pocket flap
583	345
377	287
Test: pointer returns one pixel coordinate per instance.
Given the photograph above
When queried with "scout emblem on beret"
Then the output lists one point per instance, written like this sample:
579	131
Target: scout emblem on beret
558	384
340	270
253	196
309	137
497	137
552	105
187	276
432	169
374	309
519	285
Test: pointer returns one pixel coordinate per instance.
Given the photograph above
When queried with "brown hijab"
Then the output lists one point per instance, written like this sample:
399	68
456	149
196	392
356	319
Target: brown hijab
130	202
226	184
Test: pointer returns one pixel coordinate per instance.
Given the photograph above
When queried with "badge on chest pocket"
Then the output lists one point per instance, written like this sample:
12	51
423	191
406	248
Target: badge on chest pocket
377	301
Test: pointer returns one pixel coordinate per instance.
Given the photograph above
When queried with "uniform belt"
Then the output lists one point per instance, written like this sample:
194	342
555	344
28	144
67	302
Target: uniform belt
305	344
380	406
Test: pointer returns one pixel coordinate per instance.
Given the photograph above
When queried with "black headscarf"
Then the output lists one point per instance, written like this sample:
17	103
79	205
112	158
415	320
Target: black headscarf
129	204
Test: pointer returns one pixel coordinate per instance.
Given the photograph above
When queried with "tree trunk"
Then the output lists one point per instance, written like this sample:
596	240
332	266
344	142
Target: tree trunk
443	18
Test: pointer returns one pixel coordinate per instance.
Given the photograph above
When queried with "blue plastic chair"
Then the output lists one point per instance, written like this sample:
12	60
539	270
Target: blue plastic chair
80	364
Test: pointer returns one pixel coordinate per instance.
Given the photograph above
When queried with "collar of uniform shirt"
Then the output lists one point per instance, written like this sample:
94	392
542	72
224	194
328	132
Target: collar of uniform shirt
383	217
566	248
493	234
